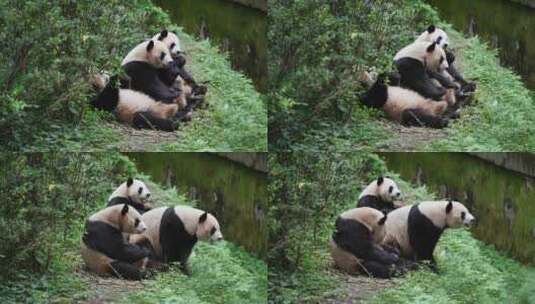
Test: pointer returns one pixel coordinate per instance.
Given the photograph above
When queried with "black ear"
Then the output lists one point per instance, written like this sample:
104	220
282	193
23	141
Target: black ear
129	182
125	209
150	46
431	29
203	217
380	180
431	48
163	34
449	207
382	221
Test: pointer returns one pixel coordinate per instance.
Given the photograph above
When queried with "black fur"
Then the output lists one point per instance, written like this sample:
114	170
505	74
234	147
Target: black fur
415	77
146	120
377	95
418	118
118	200
108	99
108	240
376	202
175	241
355	238
146	78
126	270
423	235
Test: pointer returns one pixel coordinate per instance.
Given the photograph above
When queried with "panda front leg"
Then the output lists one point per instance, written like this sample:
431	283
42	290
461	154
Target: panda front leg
147	120
419	118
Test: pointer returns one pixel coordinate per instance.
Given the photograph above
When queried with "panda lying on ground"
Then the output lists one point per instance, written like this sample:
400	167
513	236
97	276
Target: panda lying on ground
172	232
105	251
381	194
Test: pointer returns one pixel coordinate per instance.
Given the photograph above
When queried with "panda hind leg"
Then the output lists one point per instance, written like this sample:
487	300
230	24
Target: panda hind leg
377	270
147	120
126	271
418	118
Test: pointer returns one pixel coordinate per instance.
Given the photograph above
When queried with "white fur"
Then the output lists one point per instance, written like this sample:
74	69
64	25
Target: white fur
132	192
434	36
401	99
132	102
370	218
418	50
169	40
382	191
397	229
139	53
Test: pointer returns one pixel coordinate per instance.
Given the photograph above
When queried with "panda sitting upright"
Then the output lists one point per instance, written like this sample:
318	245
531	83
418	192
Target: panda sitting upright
105	251
381	194
416	229
134	193
172	232
355	244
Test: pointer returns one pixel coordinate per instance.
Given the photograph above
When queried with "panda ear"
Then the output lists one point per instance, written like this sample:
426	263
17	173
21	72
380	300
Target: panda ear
125	209
431	29
163	34
150	46
449	207
203	217
382	221
380	181
431	48
129	182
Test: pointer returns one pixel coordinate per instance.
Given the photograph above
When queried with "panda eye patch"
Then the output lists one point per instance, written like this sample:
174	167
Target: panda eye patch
173	45
137	222
162	55
140	190
213	231
463	215
391	189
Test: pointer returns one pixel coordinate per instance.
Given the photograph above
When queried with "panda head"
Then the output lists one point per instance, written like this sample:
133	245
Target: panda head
387	189
171	41
208	228
130	220
457	215
136	190
434	34
435	57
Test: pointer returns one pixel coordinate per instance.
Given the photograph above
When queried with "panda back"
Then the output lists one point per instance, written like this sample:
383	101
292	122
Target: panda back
415	50
401	99
131	102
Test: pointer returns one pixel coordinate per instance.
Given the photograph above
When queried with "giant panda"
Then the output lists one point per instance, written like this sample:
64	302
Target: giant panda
135	108
450	77
416	229
381	194
177	75
355	243
172	232
105	251
413	62
405	106
143	65
134	193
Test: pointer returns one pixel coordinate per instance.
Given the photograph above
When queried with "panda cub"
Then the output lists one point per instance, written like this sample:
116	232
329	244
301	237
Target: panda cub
381	194
134	193
104	249
143	65
405	106
177	76
172	232
413	62
449	78
355	244
134	108
416	229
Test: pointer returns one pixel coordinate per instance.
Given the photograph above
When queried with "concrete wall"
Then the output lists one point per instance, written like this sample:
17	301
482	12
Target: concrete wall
258	4
519	162
255	161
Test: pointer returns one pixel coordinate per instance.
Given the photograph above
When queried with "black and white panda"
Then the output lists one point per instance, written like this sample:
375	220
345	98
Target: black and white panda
405	106
135	108
416	229
449	78
382	194
177	75
172	232
413	63
355	243
143	65
134	193
105	251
